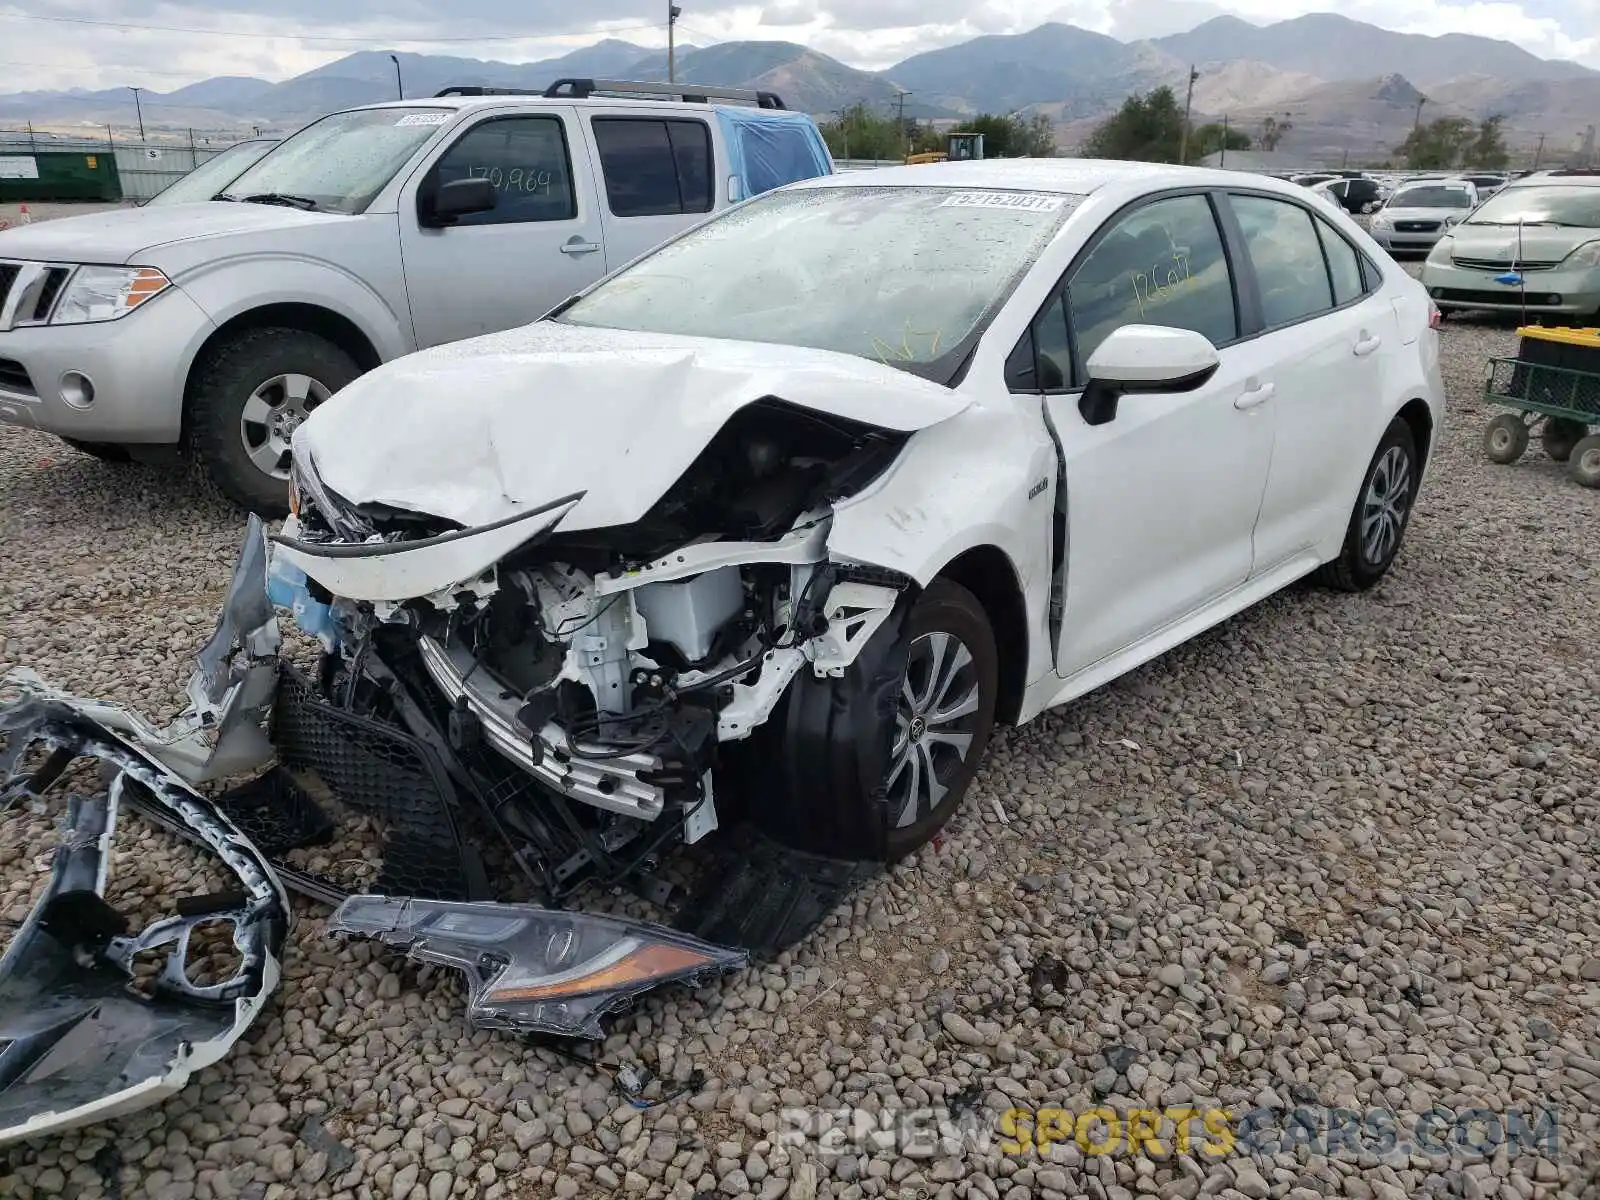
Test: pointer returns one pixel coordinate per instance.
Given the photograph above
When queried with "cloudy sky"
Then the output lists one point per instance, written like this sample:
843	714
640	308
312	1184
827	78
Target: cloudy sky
161	45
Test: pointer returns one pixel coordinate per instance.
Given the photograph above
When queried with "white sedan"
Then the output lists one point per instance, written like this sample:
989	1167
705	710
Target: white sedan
775	524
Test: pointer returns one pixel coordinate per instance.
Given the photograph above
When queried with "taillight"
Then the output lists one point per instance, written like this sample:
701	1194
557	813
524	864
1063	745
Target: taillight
1435	317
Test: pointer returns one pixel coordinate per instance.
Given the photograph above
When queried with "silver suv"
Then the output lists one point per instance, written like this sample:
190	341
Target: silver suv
217	326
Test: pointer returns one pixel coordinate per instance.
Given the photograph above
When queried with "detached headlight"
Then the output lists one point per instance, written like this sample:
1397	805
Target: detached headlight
1585	257
106	293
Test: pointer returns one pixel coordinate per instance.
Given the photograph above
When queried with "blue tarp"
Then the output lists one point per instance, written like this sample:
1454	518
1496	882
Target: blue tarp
768	148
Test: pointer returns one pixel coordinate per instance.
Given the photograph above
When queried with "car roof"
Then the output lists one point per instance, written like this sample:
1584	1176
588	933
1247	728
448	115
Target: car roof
1071	176
1546	178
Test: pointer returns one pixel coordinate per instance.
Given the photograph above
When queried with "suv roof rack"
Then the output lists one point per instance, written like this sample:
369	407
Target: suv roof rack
582	89
475	90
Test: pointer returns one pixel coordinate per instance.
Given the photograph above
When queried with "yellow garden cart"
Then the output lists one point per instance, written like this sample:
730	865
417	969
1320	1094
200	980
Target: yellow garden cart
1553	383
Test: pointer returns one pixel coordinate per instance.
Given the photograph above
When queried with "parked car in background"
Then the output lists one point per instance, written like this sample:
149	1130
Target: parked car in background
212	177
1354	195
1418	213
1313	178
368	234
1487	185
1533	247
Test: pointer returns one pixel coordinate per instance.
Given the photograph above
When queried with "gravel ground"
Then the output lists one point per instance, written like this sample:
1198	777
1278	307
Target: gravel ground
1340	850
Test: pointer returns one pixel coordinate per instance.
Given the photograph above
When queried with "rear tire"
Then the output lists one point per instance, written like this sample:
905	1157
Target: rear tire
1560	435
248	396
108	452
1584	465
1381	515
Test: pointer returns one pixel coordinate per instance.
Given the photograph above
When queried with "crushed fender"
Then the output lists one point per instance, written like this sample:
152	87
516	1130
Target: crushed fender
78	1043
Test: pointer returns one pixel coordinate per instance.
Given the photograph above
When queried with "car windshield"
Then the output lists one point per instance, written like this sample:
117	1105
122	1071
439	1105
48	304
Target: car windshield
1546	204
213	175
907	276
1433	195
340	163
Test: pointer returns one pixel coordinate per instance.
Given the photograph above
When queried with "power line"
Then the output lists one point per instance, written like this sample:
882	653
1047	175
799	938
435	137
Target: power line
317	37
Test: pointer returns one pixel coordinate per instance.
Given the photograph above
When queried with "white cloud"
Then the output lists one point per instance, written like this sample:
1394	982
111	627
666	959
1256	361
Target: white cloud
291	36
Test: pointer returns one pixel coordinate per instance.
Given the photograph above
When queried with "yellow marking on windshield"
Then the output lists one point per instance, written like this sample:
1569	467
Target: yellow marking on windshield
904	352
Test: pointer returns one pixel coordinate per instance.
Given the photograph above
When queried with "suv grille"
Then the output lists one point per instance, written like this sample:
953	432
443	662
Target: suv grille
1415	226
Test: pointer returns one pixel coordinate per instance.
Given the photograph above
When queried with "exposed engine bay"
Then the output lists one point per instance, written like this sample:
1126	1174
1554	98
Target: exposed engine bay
614	668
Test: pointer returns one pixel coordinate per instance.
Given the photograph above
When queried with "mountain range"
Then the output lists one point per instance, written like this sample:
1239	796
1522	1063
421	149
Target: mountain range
1341	85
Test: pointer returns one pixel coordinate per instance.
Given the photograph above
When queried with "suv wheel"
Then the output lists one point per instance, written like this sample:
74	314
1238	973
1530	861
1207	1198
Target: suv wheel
248	399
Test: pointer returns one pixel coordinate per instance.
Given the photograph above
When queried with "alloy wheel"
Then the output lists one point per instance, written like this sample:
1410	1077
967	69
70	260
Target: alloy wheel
1384	506
934	725
272	414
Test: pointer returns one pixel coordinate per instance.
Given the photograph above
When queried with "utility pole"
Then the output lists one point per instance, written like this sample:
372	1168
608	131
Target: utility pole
673	13
1188	103
1223	161
1417	124
844	130
900	122
139	110
1538	154
399	84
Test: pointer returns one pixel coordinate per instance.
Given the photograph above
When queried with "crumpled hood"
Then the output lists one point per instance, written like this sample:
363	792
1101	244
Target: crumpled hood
481	430
123	235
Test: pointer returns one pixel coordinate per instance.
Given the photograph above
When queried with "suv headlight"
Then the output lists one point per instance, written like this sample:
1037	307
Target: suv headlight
106	293
1381	220
1585	257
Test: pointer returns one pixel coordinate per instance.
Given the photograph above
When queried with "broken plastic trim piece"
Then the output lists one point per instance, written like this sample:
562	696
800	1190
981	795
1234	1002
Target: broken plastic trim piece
223	730
535	970
78	1044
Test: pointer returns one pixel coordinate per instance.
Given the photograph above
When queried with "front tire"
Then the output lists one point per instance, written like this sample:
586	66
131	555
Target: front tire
249	397
1382	513
868	767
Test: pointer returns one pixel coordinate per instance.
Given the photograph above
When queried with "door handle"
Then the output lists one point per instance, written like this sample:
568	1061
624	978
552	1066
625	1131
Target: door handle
578	246
1255	396
1366	344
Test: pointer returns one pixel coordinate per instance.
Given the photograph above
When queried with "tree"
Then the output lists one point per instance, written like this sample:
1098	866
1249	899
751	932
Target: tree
1012	136
1214	136
860	133
1488	149
1272	131
1147	127
1440	144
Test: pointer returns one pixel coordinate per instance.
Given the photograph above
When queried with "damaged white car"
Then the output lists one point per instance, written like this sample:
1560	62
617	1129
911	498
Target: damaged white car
761	536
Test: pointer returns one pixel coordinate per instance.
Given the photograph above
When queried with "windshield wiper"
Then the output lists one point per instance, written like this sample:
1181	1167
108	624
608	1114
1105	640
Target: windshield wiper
283	198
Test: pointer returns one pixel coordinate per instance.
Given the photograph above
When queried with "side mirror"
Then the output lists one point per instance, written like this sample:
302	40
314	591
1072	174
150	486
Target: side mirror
459	198
1144	358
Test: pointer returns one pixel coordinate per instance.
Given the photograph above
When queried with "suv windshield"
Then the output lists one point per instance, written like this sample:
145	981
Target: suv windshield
213	175
907	276
340	163
1436	195
1542	204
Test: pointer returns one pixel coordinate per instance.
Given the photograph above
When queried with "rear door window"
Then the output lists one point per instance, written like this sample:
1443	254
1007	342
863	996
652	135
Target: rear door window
654	167
1286	253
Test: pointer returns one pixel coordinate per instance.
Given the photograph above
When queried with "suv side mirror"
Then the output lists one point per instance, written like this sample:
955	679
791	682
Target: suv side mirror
458	198
1145	358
